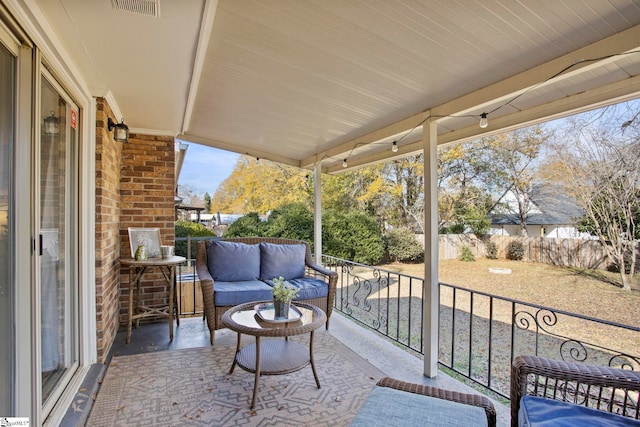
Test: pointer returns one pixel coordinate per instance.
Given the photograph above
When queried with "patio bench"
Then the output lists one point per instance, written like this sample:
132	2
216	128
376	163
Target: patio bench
554	392
240	270
397	403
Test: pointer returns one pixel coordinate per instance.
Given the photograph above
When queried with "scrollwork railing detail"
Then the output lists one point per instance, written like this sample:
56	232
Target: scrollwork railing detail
573	350
625	361
478	332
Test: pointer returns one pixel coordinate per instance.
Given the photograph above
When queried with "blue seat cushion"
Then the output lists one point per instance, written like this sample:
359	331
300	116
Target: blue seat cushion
542	412
232	261
234	293
282	261
390	407
308	287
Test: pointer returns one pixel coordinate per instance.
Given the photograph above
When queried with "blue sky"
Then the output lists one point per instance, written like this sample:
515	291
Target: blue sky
205	168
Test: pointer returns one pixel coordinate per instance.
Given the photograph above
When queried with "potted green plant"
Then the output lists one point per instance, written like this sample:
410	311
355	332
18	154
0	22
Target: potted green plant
283	293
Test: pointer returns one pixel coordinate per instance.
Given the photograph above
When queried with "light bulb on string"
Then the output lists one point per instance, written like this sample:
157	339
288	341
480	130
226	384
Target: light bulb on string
344	163
483	120
394	147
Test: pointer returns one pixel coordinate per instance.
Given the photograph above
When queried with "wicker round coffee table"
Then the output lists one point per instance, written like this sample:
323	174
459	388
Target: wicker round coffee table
273	356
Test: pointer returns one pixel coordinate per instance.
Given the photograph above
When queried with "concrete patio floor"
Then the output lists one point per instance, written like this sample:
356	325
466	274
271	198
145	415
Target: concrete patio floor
193	332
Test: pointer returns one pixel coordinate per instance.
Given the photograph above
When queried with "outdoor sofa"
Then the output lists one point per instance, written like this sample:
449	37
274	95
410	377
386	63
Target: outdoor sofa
397	403
239	270
553	392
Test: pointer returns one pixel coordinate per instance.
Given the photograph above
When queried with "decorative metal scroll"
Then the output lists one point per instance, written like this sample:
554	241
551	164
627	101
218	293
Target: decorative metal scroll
610	399
359	295
570	349
368	295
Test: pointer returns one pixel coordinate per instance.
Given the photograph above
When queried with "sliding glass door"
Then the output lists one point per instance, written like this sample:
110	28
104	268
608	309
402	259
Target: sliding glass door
7	138
57	190
39	234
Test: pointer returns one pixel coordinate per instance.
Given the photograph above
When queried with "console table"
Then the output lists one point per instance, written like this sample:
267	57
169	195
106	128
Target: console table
138	311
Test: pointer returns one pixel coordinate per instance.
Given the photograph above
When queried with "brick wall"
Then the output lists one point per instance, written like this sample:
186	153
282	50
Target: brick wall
108	165
134	188
147	200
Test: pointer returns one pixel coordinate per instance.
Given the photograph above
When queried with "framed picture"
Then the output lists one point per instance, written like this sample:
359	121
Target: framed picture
149	237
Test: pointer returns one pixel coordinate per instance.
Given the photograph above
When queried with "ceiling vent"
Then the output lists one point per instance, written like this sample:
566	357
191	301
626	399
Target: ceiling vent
139	7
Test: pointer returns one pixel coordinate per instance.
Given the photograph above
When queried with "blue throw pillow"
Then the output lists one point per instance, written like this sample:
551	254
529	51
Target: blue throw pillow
233	262
282	260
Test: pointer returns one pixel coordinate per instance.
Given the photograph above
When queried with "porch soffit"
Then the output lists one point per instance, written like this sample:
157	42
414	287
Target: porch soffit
297	82
300	80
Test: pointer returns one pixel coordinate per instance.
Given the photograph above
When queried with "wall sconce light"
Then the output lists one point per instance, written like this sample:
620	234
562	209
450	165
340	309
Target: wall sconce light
121	132
51	124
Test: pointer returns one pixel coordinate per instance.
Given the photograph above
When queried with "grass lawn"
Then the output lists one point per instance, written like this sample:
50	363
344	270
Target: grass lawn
592	293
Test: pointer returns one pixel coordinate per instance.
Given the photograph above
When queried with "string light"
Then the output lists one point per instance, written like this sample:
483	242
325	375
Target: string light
483	120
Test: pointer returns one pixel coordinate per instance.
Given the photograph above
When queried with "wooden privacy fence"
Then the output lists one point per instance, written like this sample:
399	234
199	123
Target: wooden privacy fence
564	252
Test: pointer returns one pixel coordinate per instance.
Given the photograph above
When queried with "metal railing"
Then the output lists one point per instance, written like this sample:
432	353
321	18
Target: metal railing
188	286
390	303
480	334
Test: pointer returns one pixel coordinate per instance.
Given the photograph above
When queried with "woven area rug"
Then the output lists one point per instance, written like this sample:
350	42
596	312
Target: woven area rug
192	387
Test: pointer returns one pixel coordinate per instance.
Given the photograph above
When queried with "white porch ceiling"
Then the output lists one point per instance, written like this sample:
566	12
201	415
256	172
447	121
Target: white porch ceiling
299	81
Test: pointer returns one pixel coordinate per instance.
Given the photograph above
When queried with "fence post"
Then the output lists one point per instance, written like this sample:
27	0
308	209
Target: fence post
189	251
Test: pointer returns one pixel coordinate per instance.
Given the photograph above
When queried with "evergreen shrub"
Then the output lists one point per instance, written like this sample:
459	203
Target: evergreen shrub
353	236
335	240
291	221
402	246
187	228
249	225
466	255
456	229
491	250
515	250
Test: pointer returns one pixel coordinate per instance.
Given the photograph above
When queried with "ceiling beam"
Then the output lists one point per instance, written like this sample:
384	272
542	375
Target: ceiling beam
206	27
504	90
380	134
356	162
236	149
605	95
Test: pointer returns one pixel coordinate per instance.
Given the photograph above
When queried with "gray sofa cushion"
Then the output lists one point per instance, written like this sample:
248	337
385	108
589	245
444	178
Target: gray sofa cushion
233	262
234	293
308	287
282	260
390	407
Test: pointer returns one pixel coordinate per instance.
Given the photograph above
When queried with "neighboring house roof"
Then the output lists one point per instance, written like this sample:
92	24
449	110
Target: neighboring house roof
549	206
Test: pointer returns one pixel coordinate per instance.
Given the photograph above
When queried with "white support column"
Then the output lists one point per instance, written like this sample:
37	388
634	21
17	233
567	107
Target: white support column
317	211
430	292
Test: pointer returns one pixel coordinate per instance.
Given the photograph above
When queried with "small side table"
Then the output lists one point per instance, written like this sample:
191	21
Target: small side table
136	270
278	356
